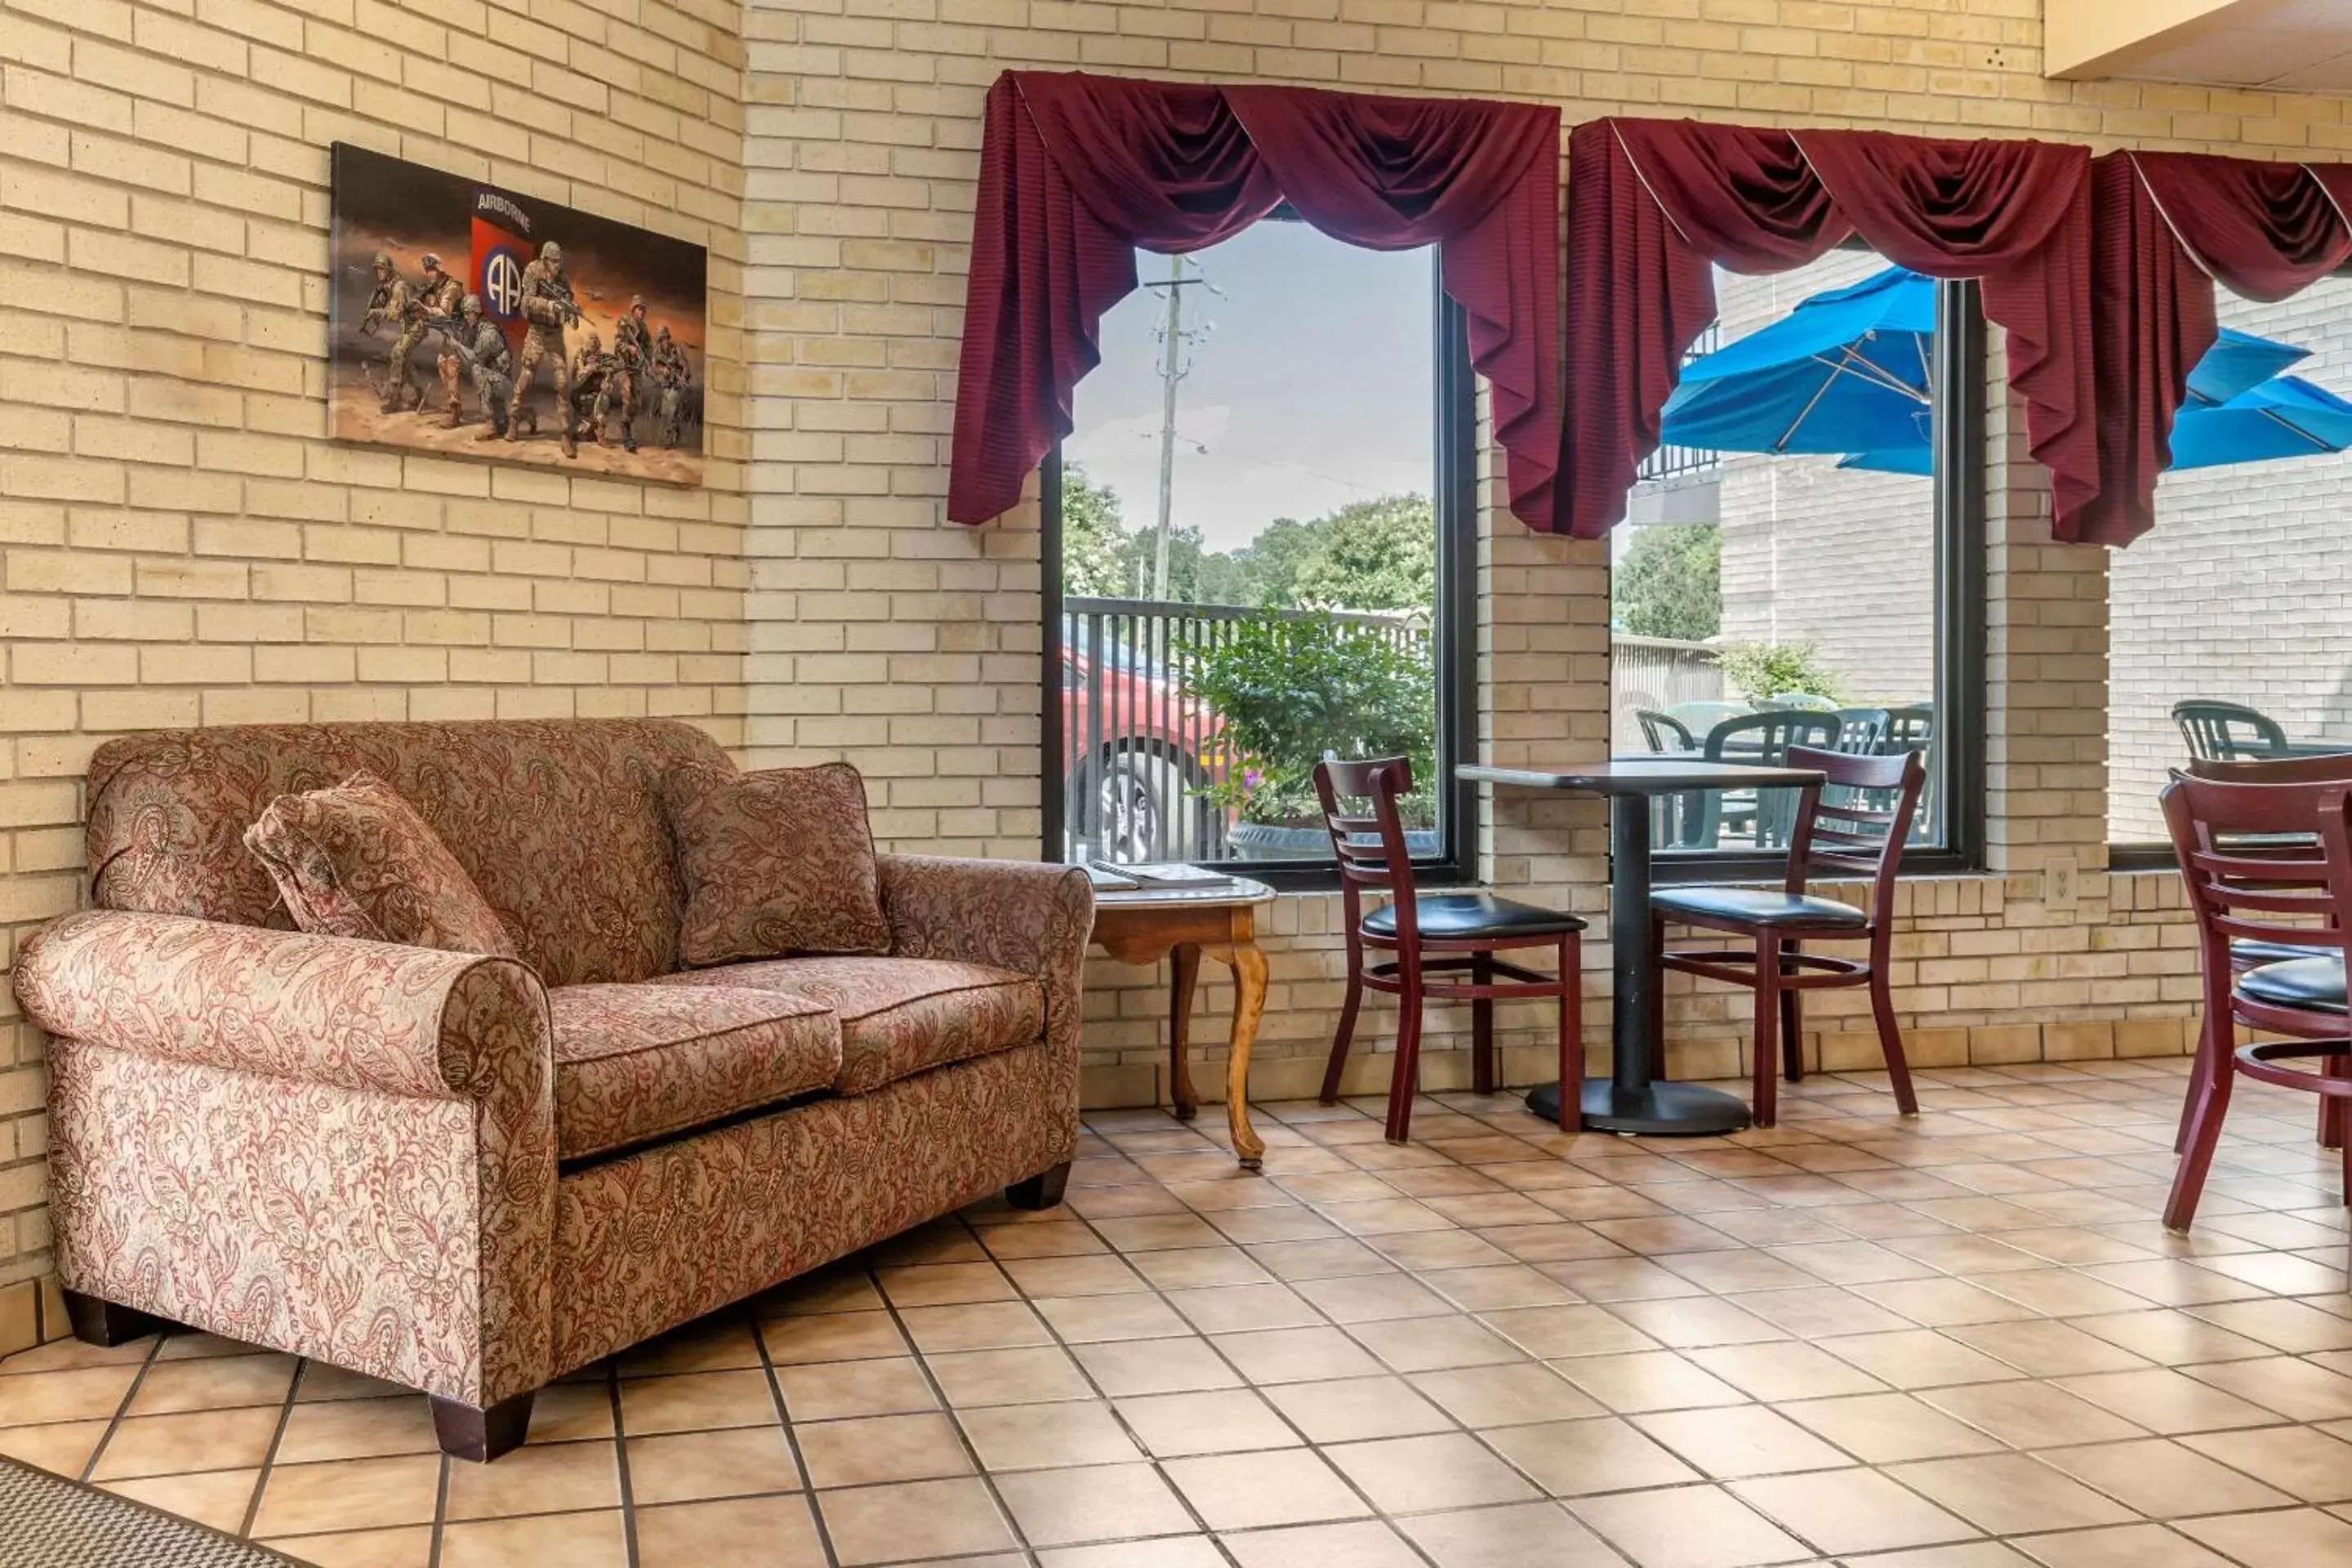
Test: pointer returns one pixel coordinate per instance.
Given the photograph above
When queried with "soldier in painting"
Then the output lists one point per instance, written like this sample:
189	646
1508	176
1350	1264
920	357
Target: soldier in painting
441	298
393	301
481	347
414	309
671	375
547	306
631	351
589	370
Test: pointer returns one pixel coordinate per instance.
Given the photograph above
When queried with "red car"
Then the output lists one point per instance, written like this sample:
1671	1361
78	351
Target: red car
1138	751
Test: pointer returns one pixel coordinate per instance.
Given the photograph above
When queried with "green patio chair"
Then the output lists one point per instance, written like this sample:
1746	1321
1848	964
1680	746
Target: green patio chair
2219	732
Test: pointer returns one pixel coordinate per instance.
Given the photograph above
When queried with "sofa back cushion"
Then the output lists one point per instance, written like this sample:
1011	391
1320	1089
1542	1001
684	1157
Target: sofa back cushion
559	822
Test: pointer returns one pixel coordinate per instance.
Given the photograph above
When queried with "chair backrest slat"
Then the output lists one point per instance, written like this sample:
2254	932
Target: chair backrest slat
2227	731
1371	849
2329	768
2252	861
1840	833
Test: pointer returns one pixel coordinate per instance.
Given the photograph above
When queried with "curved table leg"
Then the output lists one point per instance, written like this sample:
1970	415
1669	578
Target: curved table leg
1184	969
1248	964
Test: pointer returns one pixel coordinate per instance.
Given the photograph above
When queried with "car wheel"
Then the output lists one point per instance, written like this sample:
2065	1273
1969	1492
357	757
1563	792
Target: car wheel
1122	808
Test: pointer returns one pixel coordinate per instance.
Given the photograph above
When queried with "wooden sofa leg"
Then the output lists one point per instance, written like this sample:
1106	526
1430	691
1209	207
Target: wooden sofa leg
480	1435
1042	1190
96	1322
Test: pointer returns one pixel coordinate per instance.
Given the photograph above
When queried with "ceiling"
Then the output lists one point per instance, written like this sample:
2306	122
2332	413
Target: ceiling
2291	46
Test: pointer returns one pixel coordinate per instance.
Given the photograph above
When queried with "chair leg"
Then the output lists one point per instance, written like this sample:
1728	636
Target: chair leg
1406	1077
1572	1035
2201	1068
2204	1131
1346	1031
1792	1026
1482	1027
1767	1020
1890	1042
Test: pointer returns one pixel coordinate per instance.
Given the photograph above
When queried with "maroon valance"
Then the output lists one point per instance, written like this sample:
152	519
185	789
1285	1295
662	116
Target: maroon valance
2169	225
1079	172
1654	204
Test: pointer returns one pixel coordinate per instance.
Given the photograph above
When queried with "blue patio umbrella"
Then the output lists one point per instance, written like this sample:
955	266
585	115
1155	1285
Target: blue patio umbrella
2286	417
1847	371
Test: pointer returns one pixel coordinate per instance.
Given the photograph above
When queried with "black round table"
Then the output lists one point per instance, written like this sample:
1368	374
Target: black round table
1634	1098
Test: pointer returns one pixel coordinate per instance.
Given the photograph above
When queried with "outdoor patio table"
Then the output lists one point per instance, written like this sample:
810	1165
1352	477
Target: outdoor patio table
1634	1099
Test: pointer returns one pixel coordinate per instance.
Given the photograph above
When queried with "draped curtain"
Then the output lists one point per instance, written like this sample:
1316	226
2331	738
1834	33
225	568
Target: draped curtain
1654	204
1079	172
2168	226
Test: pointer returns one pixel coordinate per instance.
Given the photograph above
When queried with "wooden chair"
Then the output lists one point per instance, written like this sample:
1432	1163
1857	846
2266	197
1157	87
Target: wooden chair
2277	894
2218	732
2245	952
1833	831
1436	934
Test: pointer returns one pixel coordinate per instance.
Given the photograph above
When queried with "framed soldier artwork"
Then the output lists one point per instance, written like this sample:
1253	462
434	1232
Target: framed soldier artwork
472	321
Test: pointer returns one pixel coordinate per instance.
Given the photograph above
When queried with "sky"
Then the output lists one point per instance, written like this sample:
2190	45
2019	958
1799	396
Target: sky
1312	389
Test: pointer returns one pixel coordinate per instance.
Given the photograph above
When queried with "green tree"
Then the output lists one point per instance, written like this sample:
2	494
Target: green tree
1095	537
1670	584
1378	554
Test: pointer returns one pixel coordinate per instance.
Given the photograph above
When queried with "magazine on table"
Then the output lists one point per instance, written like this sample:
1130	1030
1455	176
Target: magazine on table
1163	875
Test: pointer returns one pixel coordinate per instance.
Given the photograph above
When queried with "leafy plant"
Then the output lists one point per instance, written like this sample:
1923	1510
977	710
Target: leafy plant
1670	584
1289	688
1758	670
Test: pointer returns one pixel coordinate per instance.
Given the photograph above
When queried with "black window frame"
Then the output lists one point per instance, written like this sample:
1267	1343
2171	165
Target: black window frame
1453	629
1958	440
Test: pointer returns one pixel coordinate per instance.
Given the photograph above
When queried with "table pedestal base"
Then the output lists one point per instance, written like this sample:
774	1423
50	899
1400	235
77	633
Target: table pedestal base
1670	1107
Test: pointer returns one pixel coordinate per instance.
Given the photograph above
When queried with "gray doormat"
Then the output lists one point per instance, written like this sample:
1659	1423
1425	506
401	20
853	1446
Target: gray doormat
47	1521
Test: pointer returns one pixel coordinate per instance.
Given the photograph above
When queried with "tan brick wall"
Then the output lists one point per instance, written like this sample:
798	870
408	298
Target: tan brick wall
182	545
864	134
179	543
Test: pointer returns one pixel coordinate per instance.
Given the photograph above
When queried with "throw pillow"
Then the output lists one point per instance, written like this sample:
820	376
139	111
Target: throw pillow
354	859
776	862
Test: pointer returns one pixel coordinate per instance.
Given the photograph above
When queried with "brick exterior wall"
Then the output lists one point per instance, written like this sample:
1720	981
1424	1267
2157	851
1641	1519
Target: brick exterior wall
183	545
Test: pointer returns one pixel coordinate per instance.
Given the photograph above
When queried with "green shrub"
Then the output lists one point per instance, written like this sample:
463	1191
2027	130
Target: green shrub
1760	670
1289	689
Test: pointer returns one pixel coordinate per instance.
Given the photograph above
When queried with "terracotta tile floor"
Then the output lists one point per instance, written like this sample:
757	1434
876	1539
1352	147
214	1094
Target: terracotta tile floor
1959	1342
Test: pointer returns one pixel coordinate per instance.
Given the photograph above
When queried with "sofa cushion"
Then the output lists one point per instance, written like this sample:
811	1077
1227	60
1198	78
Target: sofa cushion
354	859
775	863
559	821
634	1062
899	1015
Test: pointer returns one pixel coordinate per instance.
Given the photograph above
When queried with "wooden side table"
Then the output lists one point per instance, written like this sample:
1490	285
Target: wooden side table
1146	925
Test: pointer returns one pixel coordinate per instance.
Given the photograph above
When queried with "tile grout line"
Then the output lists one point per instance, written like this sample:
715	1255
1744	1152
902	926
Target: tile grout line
620	1460
269	1455
785	1423
122	1405
440	1513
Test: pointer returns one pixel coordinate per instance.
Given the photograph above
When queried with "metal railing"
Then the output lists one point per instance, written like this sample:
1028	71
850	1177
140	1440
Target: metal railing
1137	749
1674	462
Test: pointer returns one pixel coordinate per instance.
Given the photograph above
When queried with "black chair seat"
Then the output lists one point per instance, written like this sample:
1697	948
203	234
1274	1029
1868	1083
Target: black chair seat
1756	906
2246	952
2311	985
1460	916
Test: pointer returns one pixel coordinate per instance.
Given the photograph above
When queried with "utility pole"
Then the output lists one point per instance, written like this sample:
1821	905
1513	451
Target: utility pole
1171	370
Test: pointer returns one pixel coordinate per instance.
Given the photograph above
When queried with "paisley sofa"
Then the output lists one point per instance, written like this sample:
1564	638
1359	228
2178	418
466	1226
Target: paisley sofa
471	1175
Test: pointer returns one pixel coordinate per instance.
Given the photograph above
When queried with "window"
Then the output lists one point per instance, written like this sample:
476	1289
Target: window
2227	622
1256	552
1800	563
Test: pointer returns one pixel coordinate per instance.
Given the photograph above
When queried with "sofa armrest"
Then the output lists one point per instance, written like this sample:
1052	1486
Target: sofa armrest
318	1009
342	1149
1013	914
